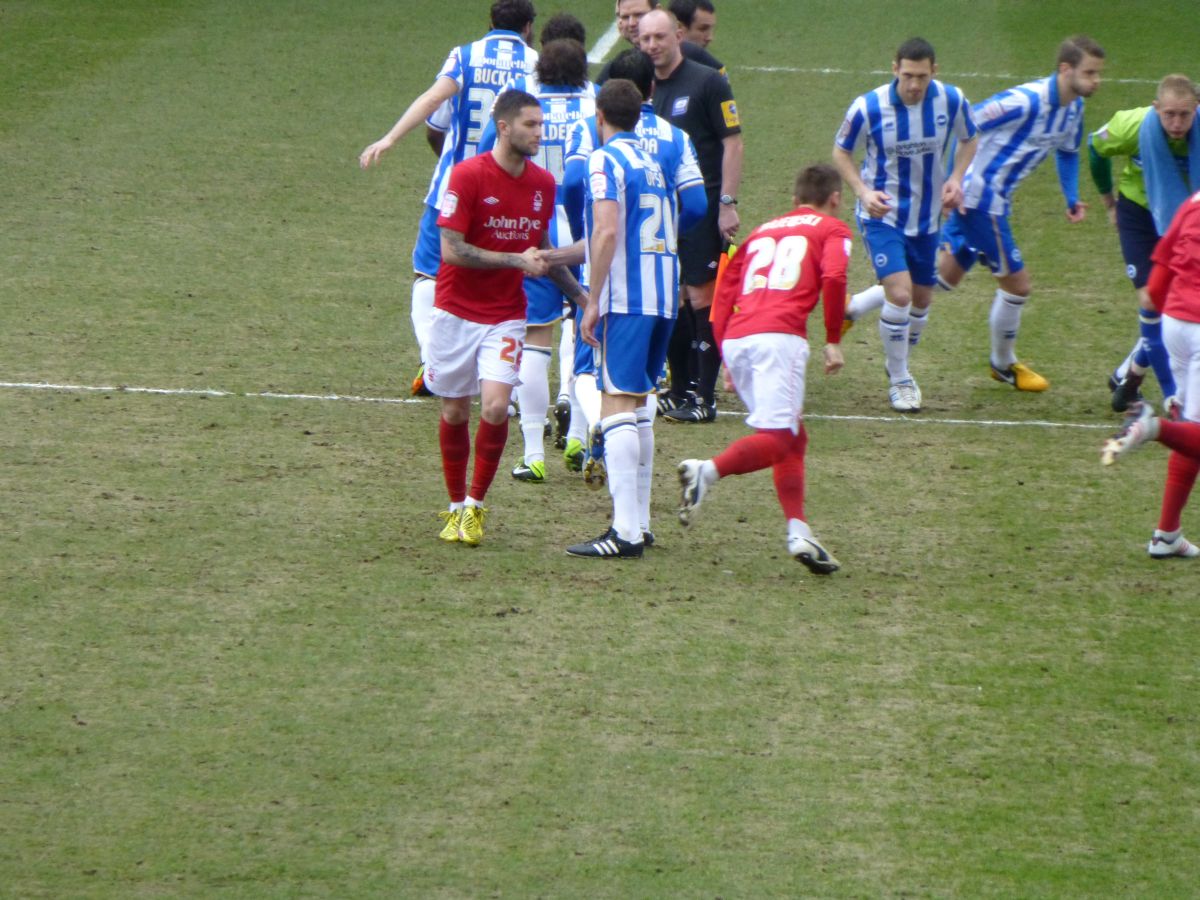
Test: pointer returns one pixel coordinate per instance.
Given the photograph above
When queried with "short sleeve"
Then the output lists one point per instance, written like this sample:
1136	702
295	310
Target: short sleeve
851	132
965	127
721	108
459	200
453	67
604	177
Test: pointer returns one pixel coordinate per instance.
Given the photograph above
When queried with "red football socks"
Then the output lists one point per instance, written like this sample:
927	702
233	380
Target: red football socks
455	441
760	450
1181	475
489	449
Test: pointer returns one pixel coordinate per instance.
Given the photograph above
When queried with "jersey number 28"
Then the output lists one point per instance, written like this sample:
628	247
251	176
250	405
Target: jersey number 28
784	257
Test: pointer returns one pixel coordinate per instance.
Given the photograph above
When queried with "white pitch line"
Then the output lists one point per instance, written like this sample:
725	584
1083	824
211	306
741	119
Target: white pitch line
955	76
397	401
604	44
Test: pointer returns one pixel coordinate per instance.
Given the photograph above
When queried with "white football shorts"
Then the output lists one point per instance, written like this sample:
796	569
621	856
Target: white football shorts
462	353
768	373
1182	340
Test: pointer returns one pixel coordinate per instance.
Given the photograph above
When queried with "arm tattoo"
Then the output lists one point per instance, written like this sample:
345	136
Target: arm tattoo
565	281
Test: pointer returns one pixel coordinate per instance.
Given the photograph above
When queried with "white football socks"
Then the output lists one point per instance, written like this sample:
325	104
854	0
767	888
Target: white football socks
533	396
865	302
893	330
622	450
645	473
1004	323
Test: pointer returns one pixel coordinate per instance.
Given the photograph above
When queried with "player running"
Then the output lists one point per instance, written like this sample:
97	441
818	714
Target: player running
760	317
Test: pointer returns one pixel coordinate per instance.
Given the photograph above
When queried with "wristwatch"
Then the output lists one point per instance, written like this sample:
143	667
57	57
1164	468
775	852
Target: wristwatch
728	200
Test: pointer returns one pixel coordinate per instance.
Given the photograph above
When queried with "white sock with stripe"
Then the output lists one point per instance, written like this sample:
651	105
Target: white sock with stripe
1004	323
893	329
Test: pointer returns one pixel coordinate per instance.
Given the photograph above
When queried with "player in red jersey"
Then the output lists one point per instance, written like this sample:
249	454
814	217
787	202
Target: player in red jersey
1174	289
493	220
760	316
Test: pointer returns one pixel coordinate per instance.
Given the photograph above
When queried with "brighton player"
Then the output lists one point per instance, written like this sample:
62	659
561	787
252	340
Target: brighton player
1162	142
494	218
1017	130
760	320
1174	288
676	156
468	82
560	83
634	280
902	190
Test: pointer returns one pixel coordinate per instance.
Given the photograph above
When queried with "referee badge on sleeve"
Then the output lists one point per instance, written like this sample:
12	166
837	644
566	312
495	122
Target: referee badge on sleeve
729	110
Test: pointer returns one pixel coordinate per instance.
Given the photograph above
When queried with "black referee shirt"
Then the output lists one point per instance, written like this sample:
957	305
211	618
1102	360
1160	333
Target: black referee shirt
700	101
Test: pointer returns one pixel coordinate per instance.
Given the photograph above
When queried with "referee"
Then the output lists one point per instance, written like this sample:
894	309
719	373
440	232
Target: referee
700	101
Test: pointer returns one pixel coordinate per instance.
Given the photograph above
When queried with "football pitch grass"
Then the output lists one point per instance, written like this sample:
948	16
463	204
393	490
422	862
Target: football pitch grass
235	660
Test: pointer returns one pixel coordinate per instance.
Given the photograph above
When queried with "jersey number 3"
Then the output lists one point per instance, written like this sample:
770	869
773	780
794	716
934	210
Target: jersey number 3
784	257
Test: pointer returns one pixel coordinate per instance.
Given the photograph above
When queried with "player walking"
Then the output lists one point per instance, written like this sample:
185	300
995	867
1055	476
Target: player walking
902	190
1174	289
495	216
760	317
468	82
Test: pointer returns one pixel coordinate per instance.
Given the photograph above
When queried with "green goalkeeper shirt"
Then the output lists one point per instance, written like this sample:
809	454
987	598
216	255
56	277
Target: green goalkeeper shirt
1119	137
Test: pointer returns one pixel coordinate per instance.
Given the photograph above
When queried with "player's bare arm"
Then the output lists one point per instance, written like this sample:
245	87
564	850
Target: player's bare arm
731	179
560	274
952	190
456	251
603	246
571	255
876	203
418	111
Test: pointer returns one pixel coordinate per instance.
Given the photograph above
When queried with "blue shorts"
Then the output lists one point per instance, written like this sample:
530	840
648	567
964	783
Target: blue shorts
427	255
633	350
892	251
1138	235
980	237
585	353
545	304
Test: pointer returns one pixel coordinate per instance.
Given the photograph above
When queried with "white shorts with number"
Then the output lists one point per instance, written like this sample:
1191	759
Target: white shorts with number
461	353
1182	340
768	372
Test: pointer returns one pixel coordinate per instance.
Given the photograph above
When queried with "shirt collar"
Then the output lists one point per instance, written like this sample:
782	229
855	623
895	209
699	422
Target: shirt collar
894	95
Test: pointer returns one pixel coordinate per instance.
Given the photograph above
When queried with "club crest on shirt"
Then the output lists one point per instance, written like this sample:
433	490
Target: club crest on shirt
680	106
941	119
449	204
729	111
537	201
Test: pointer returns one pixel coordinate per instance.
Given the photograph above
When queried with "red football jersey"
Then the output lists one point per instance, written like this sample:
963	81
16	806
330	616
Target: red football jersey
493	211
1179	252
773	281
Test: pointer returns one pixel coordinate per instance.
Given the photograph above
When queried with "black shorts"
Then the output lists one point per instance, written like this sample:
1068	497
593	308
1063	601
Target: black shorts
700	247
1135	228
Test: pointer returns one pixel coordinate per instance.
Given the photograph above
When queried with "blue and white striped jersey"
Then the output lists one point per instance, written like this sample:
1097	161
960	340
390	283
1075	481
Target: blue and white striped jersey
563	107
644	277
668	145
481	69
1018	129
905	149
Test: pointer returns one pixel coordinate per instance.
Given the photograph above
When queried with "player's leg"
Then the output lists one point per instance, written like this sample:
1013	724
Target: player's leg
1138	236
583	381
768	373
700	251
544	305
566	359
452	375
886	248
1183	439
629	343
498	359
680	356
427	256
